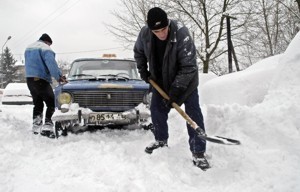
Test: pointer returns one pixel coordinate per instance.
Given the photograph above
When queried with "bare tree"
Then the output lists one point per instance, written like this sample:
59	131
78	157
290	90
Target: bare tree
262	28
287	4
269	30
64	66
207	26
203	18
132	17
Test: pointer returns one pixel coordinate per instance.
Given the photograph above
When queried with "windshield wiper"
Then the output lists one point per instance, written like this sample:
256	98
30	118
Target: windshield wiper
114	76
82	75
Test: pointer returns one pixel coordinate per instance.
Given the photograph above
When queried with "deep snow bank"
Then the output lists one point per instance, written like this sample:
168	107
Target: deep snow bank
238	87
267	123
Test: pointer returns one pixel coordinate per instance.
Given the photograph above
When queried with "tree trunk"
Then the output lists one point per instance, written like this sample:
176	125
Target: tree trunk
205	66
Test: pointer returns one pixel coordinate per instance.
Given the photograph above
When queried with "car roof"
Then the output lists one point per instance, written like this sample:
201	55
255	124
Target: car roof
12	86
101	59
16	89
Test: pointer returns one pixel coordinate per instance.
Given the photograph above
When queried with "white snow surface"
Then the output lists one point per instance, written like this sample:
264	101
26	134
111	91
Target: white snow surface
260	106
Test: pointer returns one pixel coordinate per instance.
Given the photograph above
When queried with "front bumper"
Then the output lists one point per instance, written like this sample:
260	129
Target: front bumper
85	117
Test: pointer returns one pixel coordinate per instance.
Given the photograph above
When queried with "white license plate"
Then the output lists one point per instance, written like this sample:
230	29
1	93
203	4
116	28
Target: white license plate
98	117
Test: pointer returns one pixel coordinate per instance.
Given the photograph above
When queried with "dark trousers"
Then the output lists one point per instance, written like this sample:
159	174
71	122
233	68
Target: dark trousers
159	115
41	91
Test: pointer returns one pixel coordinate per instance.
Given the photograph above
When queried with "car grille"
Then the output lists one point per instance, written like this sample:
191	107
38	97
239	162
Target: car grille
108	99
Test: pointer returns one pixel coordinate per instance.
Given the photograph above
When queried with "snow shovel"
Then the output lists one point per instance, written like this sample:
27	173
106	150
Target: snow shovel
200	132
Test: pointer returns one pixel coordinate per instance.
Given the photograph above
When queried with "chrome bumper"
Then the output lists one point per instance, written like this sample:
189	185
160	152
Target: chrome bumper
86	117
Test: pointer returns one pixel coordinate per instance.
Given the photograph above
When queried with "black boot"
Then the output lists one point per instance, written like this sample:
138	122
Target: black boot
200	161
157	144
47	130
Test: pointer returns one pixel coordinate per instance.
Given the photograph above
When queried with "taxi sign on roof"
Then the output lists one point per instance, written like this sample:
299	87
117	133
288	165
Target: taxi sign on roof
109	55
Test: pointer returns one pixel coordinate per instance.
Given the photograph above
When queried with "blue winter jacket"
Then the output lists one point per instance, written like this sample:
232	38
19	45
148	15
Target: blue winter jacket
40	62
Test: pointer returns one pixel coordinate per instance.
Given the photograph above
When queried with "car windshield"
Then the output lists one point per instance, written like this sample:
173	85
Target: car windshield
103	69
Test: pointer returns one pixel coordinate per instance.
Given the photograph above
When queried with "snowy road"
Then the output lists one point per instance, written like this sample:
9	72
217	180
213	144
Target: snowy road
114	160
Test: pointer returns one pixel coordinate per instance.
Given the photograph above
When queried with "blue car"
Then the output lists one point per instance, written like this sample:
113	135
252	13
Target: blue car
101	93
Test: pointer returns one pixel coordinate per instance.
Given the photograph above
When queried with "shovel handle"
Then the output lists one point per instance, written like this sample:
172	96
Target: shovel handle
177	107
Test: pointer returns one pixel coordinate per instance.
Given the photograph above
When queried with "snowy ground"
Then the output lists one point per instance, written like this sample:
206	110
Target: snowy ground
259	106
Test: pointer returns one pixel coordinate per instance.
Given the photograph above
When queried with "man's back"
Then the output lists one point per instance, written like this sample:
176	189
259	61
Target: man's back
40	61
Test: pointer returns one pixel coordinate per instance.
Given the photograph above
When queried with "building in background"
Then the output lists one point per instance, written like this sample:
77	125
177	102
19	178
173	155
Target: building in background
20	73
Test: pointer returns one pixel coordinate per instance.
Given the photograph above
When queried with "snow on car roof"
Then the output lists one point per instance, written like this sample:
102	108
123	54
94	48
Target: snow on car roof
16	89
16	93
12	86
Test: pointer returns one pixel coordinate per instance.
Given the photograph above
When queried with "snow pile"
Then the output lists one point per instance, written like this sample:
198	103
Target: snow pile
246	87
269	127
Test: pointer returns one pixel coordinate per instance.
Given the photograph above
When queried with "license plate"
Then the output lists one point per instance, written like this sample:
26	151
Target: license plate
98	117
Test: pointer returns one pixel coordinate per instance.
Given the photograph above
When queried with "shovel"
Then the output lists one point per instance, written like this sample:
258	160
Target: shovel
200	132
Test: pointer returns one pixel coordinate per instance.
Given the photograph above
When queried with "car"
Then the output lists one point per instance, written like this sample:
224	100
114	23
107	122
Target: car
16	94
101	92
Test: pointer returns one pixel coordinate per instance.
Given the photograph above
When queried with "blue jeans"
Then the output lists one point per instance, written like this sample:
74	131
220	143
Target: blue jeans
159	115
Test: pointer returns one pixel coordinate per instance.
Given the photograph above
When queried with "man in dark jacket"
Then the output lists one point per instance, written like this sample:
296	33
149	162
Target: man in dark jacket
165	52
40	67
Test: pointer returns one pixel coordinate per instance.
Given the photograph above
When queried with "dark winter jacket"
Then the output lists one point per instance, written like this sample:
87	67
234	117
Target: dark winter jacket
179	68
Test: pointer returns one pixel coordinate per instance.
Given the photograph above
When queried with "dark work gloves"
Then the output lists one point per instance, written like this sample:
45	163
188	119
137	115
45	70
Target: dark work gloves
174	95
169	103
145	76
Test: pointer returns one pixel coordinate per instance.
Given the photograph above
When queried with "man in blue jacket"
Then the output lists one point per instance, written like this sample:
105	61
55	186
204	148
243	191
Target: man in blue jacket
40	67
165	51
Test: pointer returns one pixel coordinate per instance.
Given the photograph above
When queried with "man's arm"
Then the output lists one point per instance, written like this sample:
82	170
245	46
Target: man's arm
140	58
49	58
186	59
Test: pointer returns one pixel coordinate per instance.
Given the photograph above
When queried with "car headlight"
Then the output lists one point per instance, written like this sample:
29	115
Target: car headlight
147	97
64	98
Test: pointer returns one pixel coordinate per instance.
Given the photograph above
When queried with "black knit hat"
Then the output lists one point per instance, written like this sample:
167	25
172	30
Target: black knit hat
157	18
46	37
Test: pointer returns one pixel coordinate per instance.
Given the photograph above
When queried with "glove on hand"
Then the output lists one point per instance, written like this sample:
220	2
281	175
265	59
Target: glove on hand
62	79
169	103
174	94
145	76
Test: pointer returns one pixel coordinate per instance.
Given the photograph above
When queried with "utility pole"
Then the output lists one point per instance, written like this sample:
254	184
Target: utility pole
231	51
